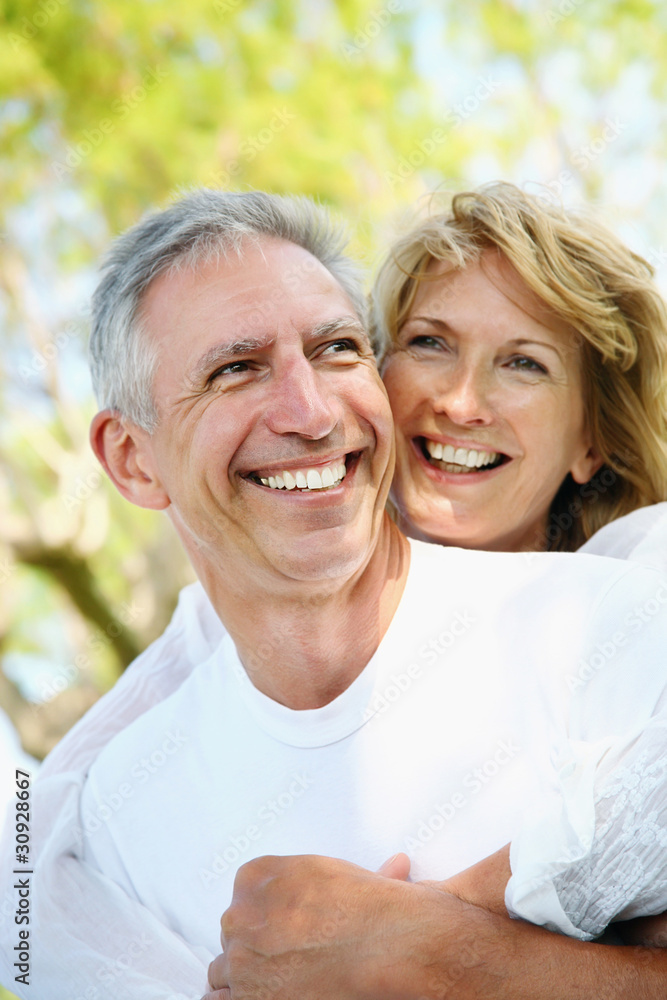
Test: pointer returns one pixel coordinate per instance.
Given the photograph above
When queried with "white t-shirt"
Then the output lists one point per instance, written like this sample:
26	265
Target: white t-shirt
435	748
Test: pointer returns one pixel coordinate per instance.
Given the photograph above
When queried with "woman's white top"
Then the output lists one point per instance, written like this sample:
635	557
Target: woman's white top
604	830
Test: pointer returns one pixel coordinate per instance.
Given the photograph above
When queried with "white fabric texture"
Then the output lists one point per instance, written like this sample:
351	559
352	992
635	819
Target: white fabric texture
596	852
463	695
640	536
605	828
87	935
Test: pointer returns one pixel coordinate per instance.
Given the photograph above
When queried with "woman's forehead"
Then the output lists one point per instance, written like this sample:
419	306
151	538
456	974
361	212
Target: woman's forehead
493	266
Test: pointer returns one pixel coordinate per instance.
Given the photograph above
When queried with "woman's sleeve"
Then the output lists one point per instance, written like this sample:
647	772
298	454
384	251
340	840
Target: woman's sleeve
88	939
597	852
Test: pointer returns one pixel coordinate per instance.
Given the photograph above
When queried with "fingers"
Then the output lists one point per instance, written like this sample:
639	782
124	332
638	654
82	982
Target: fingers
397	867
218	979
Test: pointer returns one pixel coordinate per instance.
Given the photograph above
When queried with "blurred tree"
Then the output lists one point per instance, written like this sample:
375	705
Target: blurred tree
109	109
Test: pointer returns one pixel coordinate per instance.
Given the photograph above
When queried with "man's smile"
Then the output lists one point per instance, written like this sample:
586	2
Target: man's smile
306	476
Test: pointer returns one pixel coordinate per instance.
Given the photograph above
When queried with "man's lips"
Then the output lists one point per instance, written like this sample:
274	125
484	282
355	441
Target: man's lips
305	475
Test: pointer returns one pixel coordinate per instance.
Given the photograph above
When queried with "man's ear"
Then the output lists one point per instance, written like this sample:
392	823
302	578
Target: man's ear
125	451
586	465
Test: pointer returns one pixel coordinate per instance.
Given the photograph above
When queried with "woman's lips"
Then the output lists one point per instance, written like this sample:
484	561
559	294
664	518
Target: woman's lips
458	460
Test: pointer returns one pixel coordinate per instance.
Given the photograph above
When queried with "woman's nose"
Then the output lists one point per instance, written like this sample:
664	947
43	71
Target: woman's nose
463	396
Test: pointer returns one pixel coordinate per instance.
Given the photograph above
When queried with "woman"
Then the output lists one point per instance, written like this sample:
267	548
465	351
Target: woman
524	351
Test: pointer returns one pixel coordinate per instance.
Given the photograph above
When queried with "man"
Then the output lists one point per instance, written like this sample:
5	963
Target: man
370	691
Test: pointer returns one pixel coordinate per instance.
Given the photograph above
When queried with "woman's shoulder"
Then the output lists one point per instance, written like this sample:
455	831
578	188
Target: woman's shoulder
640	536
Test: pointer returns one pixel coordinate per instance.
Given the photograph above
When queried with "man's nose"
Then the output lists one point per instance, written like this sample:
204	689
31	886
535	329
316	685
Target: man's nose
463	395
300	402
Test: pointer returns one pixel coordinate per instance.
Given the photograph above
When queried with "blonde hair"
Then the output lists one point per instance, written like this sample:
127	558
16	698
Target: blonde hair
604	291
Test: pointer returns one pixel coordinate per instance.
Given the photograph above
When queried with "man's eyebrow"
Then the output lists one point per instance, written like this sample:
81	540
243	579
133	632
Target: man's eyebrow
217	355
334	325
221	353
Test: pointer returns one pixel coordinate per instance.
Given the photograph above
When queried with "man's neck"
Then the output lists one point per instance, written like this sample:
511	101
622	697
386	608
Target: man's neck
305	647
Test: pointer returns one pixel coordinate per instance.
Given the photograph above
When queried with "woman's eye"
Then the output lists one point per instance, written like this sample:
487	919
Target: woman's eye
423	340
523	364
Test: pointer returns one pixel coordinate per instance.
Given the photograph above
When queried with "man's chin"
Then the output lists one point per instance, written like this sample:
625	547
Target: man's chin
321	565
327	555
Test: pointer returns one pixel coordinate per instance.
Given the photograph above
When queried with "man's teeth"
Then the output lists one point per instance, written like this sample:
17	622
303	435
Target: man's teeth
460	459
307	479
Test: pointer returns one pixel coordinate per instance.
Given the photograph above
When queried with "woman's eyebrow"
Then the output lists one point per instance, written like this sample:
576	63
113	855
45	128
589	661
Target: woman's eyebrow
527	341
440	324
433	320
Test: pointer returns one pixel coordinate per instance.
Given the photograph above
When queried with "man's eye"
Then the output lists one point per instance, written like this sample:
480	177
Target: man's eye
338	346
524	364
233	368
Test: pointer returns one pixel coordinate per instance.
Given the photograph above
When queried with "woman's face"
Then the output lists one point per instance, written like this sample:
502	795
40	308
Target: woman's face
486	390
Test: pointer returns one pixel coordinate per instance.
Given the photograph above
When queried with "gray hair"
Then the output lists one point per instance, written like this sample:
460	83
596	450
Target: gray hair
201	226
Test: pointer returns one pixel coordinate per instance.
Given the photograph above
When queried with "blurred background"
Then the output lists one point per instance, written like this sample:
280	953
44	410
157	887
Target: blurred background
111	108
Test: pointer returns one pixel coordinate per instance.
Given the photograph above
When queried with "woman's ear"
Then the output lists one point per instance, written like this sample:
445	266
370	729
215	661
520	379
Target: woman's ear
586	465
125	451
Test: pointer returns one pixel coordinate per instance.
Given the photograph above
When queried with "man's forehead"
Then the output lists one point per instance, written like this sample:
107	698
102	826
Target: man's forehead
257	279
205	315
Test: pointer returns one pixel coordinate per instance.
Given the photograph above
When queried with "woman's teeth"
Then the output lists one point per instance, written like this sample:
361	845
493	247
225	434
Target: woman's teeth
307	479
459	459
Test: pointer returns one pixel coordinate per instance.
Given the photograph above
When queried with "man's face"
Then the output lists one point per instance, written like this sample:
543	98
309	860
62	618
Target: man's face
274	442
